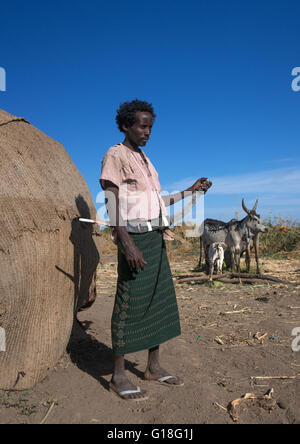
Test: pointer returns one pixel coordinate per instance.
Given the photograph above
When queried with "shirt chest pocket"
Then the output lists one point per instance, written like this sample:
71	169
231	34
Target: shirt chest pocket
129	177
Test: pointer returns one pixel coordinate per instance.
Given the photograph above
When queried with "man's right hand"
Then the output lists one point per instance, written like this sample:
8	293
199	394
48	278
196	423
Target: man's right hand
134	257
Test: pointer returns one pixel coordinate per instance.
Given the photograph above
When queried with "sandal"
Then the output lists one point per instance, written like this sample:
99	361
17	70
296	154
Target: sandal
128	392
166	378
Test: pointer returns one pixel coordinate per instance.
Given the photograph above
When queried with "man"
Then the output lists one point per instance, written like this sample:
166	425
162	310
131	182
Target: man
145	312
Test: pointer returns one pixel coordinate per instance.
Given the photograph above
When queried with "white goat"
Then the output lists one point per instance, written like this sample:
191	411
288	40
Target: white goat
215	255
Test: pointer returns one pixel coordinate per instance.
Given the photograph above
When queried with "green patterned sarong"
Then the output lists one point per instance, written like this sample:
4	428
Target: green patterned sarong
145	313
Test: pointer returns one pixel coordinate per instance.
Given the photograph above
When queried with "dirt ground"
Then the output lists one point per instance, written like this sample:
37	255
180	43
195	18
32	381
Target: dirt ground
236	339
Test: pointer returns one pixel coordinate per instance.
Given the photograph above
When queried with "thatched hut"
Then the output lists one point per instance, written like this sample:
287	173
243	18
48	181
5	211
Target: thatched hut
48	260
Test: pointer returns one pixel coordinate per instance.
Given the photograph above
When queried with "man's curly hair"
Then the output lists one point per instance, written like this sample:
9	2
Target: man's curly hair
126	114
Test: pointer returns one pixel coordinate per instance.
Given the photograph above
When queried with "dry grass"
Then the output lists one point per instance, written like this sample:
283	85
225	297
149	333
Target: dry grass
283	237
281	241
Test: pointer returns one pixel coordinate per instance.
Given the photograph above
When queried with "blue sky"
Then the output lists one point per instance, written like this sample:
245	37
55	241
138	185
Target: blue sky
218	74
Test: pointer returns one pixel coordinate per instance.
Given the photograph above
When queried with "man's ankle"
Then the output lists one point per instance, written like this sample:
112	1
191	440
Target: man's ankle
154	368
119	376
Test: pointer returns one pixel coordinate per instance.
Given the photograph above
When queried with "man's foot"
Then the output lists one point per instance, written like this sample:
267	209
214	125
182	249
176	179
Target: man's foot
162	376
126	390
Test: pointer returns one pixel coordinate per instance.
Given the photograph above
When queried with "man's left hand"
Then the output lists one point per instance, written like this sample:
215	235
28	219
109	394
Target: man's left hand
201	185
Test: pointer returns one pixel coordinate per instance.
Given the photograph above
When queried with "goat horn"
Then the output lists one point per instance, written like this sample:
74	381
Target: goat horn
244	207
255	206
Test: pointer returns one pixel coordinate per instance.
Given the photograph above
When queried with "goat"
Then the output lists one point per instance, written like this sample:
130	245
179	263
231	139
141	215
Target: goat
216	256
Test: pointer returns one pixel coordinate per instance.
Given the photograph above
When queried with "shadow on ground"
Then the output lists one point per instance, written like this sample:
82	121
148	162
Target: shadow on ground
93	357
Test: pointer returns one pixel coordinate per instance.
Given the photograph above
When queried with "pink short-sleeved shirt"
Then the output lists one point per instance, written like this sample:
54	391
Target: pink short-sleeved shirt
138	183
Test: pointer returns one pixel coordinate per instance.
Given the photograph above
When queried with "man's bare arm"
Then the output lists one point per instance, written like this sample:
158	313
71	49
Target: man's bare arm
200	185
174	198
133	255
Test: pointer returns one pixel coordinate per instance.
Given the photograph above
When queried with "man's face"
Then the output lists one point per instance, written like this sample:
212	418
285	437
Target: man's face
140	131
